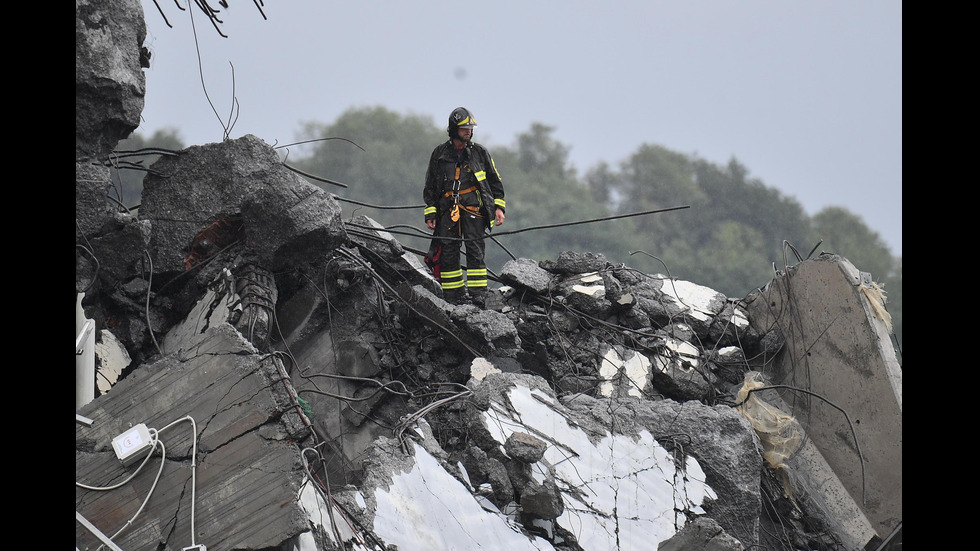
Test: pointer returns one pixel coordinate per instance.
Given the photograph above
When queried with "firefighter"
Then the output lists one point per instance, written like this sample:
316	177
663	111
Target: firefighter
464	197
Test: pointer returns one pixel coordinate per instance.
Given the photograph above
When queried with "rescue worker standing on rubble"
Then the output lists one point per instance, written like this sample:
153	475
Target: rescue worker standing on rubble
463	196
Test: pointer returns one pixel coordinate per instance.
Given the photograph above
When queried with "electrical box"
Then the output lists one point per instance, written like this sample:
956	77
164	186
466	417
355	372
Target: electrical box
132	445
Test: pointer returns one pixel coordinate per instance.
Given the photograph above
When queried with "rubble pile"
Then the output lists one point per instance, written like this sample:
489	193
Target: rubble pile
587	406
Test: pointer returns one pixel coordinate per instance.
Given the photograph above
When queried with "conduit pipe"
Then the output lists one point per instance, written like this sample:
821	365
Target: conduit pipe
84	356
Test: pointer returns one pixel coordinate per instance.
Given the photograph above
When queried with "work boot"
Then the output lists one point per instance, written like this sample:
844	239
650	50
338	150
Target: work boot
454	296
479	297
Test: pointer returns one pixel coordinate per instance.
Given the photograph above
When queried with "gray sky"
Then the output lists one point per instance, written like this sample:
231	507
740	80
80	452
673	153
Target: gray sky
806	95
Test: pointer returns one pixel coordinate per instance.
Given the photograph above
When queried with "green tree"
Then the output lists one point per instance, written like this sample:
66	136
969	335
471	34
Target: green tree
731	195
652	178
539	153
605	185
725	239
542	190
757	223
382	157
733	256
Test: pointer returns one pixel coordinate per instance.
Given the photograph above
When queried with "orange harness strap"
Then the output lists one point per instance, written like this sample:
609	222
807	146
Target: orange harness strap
462	191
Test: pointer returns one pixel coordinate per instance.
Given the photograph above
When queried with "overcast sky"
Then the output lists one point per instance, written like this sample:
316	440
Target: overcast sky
806	95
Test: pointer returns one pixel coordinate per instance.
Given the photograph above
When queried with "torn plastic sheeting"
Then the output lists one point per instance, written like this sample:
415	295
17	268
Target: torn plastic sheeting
780	433
877	298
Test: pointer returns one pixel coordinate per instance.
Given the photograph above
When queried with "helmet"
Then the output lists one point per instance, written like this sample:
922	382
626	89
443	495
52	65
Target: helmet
460	118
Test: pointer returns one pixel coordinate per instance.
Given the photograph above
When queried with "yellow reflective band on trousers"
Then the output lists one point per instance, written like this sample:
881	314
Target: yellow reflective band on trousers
476	277
452	280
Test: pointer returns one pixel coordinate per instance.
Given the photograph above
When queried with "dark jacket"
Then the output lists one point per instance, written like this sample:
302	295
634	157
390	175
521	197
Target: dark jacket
476	170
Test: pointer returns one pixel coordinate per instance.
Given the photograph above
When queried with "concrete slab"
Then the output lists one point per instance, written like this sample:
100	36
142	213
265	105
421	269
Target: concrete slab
846	382
248	465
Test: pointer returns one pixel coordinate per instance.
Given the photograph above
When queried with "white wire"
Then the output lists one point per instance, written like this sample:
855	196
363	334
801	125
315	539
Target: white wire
155	440
163	461
193	470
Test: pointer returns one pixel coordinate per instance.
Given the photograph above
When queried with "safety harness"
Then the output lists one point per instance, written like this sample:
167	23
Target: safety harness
455	193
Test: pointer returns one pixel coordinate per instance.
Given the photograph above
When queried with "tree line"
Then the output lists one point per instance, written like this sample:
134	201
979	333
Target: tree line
710	224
